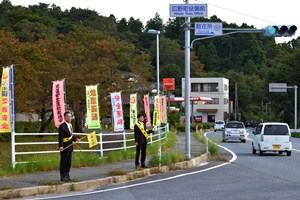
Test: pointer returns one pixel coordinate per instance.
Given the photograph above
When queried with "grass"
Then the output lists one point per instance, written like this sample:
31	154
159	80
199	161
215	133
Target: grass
296	134
116	172
50	162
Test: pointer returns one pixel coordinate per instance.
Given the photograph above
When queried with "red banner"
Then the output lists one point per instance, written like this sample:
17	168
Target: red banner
58	102
147	110
163	107
169	83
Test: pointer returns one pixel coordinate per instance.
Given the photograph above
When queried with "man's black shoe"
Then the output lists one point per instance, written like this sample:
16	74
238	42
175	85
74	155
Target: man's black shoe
143	166
137	166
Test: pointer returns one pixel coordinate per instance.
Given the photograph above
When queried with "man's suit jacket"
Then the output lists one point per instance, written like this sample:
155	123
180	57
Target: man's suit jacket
64	132
139	136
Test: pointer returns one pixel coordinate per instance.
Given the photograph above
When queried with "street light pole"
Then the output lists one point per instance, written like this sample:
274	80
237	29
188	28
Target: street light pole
156	32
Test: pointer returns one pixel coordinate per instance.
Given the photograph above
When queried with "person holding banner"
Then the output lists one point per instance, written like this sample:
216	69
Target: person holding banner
65	141
140	136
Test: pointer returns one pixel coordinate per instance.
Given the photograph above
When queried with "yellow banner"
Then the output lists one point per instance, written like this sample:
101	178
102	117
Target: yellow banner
133	110
5	122
92	139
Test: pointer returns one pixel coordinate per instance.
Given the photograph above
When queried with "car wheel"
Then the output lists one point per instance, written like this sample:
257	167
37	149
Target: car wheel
215	130
260	151
280	152
288	153
253	150
243	141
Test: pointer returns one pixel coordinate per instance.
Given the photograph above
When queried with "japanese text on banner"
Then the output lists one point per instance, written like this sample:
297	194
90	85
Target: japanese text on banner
116	103
147	110
5	112
92	106
157	109
133	110
58	102
163	106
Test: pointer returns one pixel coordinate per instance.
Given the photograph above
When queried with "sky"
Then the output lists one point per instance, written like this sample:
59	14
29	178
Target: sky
259	13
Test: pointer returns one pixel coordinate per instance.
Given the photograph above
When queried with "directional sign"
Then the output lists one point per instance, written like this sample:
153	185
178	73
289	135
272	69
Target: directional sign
278	87
188	10
208	28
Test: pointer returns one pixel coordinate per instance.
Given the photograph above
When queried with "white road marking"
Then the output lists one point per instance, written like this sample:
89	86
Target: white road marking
234	157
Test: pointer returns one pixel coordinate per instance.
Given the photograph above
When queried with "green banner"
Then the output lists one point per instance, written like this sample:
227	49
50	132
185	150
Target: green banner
133	110
157	108
92	107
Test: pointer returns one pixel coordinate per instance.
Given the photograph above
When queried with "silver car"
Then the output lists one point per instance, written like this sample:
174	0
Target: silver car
234	131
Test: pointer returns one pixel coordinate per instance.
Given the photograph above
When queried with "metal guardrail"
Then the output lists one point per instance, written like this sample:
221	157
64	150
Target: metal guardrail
153	139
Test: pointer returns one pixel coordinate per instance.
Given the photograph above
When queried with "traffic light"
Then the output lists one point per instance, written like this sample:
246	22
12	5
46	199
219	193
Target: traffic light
280	30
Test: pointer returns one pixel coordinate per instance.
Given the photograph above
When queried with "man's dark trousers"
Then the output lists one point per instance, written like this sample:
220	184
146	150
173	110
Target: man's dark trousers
65	164
140	147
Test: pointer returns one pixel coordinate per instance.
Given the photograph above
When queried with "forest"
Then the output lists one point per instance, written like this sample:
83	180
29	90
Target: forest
46	43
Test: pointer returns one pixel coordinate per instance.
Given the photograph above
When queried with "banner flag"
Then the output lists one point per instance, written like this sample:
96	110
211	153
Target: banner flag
147	110
5	110
92	139
157	109
92	107
133	110
163	105
58	102
155	118
117	111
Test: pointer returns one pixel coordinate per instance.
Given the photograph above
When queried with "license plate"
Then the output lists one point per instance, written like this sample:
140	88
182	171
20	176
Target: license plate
276	146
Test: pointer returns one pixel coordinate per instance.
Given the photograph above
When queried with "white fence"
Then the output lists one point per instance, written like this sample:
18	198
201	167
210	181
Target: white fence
163	131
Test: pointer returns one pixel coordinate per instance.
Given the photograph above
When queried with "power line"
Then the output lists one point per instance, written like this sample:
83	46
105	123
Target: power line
237	12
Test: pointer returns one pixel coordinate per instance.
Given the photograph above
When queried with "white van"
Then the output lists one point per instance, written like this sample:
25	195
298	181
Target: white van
272	137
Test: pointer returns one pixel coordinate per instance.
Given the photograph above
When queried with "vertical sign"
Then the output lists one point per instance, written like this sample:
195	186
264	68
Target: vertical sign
157	111
58	102
147	110
92	106
5	112
133	110
116	103
163	106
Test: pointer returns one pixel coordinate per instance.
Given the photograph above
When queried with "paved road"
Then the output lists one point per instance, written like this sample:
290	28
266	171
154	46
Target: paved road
271	176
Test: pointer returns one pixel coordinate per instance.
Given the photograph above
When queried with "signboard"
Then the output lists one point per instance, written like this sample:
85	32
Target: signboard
278	87
169	83
188	10
208	28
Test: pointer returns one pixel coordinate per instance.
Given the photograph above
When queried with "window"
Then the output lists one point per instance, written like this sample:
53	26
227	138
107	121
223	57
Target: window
225	87
213	101
225	101
276	130
204	87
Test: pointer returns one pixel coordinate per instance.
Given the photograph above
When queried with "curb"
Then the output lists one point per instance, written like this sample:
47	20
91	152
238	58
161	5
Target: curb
92	184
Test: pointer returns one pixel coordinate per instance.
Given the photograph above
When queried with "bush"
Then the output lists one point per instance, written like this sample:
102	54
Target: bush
212	148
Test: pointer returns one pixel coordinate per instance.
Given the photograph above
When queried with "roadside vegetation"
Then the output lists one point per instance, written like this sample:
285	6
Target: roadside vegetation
49	162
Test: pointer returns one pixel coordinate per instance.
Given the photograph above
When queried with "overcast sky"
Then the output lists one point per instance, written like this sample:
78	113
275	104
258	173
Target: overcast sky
259	13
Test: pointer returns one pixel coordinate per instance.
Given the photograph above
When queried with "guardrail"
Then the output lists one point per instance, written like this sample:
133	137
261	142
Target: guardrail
125	138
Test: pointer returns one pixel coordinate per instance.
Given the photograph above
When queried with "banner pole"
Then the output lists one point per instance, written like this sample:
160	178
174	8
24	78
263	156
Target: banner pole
12	117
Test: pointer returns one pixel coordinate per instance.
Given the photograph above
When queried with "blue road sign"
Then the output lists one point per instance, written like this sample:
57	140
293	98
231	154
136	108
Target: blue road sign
208	28
188	10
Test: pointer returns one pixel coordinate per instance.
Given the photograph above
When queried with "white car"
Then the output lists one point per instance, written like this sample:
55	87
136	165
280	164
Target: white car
234	131
219	125
272	137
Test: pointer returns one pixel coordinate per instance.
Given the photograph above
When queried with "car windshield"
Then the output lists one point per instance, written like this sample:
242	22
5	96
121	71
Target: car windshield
276	130
234	125
219	122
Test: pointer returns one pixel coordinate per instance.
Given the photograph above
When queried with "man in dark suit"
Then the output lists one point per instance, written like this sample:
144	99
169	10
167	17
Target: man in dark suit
140	137
66	138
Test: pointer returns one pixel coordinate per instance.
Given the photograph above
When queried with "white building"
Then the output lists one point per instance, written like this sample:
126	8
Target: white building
215	88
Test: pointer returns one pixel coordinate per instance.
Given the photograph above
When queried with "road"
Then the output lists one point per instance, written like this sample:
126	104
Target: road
247	176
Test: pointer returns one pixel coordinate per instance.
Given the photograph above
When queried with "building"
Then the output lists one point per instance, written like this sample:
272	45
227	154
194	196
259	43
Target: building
215	88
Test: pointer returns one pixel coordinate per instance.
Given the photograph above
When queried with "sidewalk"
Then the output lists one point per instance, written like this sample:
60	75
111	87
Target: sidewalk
91	177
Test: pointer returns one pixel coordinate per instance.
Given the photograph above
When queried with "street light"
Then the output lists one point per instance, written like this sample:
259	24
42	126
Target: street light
156	32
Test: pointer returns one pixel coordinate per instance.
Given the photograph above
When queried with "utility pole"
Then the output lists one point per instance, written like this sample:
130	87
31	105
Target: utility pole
187	85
